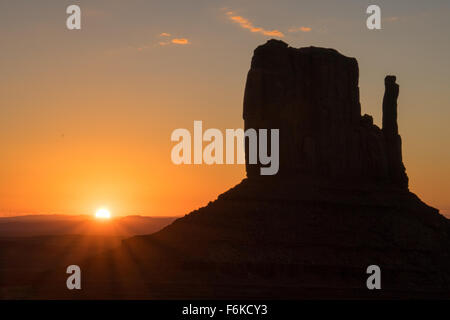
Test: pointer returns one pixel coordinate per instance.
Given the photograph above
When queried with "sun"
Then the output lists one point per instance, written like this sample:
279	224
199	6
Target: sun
103	213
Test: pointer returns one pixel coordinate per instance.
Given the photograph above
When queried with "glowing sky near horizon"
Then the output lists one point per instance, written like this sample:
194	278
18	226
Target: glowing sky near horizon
86	116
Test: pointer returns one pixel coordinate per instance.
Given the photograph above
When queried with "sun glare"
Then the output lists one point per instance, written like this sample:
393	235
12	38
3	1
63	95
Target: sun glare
103	214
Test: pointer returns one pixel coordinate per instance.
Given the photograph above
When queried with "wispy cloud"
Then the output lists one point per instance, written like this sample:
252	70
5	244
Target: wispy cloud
143	47
246	24
168	40
300	29
392	19
180	41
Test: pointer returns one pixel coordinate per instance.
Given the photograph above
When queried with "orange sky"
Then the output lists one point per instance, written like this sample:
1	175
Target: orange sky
86	116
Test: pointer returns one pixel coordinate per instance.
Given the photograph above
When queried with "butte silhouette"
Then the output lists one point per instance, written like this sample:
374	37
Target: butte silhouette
339	204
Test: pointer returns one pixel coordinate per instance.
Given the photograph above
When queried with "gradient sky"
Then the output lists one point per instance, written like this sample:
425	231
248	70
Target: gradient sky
86	116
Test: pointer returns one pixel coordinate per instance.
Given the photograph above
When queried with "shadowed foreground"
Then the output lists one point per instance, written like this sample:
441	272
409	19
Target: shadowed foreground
239	247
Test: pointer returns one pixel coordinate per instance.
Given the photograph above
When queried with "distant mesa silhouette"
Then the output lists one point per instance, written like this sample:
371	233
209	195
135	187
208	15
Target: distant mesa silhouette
339	203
